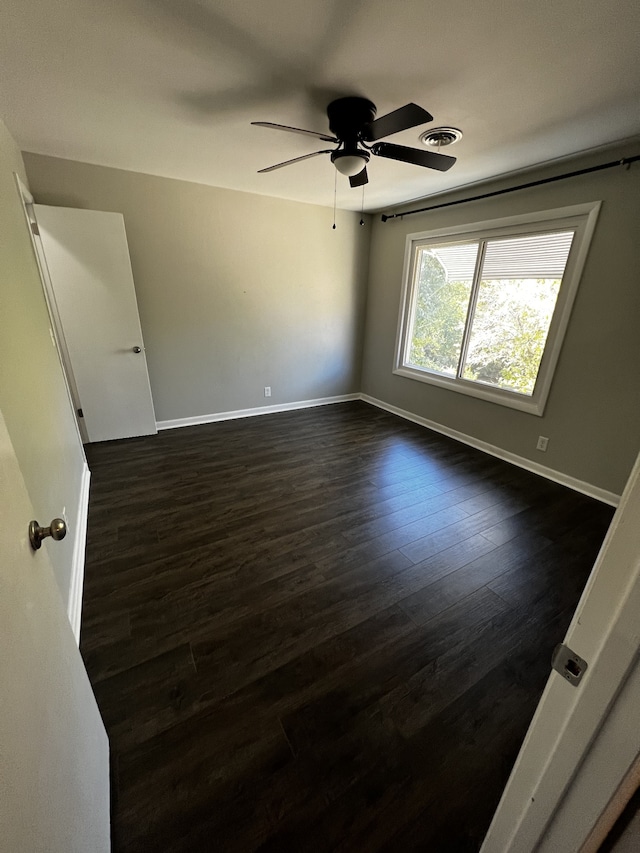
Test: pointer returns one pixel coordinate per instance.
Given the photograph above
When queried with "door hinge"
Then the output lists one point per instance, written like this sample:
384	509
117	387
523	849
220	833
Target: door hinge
80	414
570	665
34	229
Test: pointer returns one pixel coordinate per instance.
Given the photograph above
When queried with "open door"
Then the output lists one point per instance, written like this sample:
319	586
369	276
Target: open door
54	767
585	737
92	298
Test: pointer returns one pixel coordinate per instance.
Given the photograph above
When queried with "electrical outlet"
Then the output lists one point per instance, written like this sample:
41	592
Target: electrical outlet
543	441
267	390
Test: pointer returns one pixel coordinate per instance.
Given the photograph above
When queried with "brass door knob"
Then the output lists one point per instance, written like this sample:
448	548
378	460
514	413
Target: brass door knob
56	530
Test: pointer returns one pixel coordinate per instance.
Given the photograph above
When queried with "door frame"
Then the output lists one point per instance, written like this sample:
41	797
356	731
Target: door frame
57	331
583	740
74	610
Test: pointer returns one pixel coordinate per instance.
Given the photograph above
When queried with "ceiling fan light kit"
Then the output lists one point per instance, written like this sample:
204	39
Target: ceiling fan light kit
349	163
354	125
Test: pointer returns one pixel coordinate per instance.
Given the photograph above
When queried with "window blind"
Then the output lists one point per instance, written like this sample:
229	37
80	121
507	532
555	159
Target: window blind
458	262
539	256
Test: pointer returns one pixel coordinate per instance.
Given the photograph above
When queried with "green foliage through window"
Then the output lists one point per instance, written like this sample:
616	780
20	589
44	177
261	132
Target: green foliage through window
509	332
439	318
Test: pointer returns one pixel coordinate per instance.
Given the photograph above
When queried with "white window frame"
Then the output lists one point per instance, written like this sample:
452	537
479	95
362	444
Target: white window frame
579	218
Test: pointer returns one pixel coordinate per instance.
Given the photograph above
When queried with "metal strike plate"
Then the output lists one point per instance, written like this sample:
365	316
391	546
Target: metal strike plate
570	665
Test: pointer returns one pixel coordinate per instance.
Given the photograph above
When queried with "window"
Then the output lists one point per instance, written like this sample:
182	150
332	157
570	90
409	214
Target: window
485	306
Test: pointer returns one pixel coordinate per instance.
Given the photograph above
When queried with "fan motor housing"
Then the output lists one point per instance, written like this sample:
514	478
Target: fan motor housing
348	116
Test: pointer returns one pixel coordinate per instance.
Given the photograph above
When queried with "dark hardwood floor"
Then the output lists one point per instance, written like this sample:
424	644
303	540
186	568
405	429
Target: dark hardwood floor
323	630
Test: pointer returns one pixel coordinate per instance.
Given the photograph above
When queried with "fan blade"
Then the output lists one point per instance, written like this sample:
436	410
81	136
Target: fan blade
411	115
430	159
360	179
295	160
325	137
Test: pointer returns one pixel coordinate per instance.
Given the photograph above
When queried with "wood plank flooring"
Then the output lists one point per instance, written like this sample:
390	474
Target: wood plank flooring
322	630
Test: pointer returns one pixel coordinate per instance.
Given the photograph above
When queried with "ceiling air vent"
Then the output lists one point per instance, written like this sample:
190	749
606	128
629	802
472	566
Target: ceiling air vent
438	137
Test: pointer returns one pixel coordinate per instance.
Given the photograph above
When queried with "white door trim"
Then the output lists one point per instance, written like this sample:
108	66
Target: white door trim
56	326
74	606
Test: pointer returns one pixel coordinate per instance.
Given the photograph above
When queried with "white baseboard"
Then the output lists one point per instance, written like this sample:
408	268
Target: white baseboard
557	476
522	462
251	413
74	610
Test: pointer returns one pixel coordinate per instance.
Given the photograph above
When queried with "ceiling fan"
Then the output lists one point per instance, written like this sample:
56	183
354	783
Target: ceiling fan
353	123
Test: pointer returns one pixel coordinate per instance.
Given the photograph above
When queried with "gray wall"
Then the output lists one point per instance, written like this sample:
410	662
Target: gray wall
592	417
238	291
235	291
33	394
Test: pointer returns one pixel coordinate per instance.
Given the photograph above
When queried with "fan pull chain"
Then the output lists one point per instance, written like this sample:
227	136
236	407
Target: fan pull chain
335	191
362	206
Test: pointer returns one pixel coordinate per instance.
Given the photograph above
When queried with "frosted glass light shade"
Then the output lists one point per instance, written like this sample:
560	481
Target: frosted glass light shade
349	164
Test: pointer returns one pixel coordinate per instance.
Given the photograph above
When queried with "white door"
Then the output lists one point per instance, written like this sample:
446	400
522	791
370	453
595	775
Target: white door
583	739
87	258
54	753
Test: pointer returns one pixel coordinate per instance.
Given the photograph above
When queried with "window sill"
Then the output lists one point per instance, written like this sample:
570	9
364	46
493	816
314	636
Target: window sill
531	405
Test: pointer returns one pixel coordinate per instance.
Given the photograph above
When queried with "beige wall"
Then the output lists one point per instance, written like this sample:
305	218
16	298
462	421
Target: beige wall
592	416
33	395
235	291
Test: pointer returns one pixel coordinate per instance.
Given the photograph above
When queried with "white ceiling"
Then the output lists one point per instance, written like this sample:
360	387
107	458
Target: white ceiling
170	87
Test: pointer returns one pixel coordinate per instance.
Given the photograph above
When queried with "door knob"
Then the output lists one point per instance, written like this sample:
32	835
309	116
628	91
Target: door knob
56	530
137	349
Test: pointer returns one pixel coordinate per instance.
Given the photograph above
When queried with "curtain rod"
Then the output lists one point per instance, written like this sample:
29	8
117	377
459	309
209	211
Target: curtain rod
625	161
